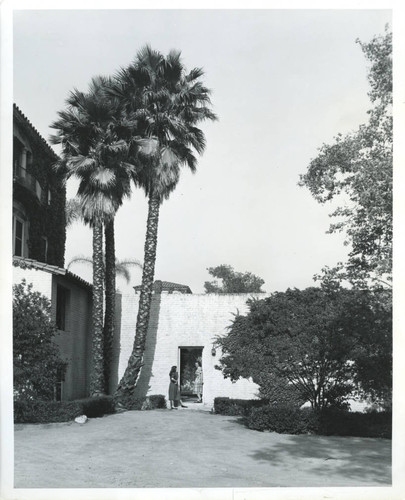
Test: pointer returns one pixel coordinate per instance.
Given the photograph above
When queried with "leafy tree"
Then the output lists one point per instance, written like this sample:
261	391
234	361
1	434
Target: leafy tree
36	358
232	281
166	103
314	340
97	147
357	170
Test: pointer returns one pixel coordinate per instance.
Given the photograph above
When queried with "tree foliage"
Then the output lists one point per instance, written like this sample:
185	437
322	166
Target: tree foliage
36	359
325	344
356	170
232	281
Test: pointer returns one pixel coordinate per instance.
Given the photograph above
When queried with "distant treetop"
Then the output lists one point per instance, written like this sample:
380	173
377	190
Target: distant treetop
232	281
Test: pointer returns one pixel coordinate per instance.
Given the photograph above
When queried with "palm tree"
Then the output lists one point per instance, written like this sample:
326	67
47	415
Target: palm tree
121	266
167	104
91	132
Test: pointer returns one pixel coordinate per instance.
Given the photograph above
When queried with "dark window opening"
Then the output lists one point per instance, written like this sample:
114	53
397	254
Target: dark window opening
18	237
60	378
62	301
44	249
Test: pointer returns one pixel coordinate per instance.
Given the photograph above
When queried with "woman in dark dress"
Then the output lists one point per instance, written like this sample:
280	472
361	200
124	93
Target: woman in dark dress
174	391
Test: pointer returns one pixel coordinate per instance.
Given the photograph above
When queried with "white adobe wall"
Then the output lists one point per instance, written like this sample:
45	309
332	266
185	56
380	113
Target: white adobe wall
41	280
183	320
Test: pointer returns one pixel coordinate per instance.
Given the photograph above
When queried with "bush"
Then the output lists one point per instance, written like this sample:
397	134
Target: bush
61	411
342	423
327	422
96	406
37	365
44	412
153	402
236	407
283	419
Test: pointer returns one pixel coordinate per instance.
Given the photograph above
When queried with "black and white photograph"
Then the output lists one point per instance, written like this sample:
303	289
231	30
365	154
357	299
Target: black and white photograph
198	212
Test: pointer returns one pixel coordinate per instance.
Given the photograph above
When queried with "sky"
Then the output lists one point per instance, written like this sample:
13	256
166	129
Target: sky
283	83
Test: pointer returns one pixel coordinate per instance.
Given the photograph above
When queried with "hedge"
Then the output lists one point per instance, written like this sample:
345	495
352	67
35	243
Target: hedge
61	411
34	412
287	419
327	422
241	407
283	419
345	423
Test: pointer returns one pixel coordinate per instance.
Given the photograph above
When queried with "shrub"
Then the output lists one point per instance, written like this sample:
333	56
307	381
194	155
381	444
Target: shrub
236	407
327	422
153	402
342	423
61	411
96	406
283	419
45	411
36	360
158	401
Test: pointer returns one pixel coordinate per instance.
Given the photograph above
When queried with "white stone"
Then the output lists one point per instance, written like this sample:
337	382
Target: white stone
82	419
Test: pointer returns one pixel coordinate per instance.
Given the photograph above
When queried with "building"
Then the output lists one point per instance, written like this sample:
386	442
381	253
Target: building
39	234
39	196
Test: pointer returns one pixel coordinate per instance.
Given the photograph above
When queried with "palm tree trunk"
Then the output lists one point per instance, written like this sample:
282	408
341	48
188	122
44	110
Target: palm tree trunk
97	373
126	387
109	317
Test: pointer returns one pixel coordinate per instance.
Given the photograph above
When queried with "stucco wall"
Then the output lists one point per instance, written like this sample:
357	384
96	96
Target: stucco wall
75	341
182	320
41	280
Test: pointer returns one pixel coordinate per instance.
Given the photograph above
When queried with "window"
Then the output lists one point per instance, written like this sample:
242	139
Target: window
18	237
62	304
44	249
60	378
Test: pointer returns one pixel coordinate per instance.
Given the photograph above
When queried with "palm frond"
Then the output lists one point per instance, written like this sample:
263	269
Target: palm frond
79	259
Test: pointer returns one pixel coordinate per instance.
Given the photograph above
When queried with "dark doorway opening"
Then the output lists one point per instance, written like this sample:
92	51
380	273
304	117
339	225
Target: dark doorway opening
188	359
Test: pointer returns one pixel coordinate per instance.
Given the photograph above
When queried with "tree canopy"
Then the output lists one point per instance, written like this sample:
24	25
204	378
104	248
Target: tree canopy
232	281
325	344
356	171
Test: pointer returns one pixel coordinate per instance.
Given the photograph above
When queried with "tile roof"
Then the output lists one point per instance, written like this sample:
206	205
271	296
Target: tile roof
22	117
26	263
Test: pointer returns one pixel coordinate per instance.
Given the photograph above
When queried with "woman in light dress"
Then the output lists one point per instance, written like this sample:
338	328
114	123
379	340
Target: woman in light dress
198	382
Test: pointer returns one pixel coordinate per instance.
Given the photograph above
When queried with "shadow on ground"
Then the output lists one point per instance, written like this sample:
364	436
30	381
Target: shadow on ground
350	457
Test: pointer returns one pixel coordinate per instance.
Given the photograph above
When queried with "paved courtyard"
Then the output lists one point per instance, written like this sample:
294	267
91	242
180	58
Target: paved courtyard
184	449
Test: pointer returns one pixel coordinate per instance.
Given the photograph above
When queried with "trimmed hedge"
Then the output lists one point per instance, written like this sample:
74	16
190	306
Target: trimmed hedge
96	406
283	419
61	411
237	407
287	419
334	422
328	422
34	412
153	402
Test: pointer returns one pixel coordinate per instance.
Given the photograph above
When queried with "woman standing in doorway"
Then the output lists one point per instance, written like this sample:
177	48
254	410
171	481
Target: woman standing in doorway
174	391
198	382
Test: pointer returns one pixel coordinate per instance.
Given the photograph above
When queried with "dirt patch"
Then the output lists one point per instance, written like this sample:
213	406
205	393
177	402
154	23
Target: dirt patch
186	449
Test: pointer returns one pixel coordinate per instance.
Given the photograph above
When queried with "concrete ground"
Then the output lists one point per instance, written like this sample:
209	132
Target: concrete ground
190	448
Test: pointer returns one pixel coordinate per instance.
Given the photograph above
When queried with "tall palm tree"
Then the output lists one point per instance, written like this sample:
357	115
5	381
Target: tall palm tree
91	132
167	104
